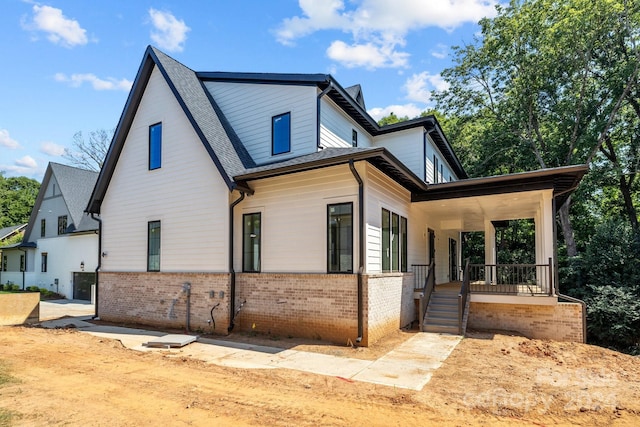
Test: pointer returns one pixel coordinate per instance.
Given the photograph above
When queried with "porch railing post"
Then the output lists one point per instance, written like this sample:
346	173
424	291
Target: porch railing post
551	284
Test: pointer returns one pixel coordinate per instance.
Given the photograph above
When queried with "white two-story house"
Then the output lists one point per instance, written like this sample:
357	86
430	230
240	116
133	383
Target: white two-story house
275	203
59	251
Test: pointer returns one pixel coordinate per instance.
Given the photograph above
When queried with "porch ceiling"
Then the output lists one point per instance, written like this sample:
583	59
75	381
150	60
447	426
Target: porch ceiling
469	213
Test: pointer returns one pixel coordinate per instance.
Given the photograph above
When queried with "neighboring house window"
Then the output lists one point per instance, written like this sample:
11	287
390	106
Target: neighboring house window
281	134
4	263
155	146
43	262
354	138
251	227
21	262
340	238
43	227
153	246
62	224
394	242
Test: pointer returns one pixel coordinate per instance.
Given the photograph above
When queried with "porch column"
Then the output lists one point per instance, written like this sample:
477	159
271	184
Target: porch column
489	251
546	237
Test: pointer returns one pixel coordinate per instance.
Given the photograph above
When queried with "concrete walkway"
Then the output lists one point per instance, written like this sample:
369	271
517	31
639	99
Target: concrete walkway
409	366
55	309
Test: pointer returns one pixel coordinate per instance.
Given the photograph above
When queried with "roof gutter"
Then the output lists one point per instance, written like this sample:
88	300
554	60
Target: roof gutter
232	273
318	103
361	248
93	216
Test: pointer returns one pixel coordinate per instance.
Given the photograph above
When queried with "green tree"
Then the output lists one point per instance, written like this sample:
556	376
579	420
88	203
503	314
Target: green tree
391	119
535	90
17	197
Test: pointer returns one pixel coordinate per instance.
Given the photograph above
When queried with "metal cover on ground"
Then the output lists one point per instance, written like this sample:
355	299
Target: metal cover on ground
172	340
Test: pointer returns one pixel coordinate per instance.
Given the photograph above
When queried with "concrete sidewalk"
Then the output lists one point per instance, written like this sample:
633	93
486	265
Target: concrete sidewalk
55	309
409	366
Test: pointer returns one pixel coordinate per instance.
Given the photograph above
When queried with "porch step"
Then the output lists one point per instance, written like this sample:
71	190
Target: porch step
442	312
453	330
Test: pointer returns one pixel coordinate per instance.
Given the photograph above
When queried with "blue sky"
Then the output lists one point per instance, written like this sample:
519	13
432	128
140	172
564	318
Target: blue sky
67	65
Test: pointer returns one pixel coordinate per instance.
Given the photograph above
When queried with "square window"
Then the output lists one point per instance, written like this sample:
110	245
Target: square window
281	134
251	241
155	146
153	246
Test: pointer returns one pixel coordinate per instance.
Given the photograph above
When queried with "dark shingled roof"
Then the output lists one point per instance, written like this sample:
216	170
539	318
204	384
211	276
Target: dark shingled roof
7	231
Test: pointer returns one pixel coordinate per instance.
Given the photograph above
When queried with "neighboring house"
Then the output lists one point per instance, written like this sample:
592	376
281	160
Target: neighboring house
275	203
59	250
10	259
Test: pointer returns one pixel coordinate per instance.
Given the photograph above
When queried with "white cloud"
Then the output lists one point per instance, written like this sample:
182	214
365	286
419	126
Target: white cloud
419	86
441	51
60	29
27	162
52	149
170	33
366	55
76	80
7	141
409	110
379	26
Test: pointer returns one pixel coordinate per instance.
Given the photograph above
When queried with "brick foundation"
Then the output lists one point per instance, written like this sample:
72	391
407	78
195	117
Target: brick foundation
158	299
390	304
560	322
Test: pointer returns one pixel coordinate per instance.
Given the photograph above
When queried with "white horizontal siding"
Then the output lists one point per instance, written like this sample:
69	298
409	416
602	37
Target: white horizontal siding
294	218
447	174
336	127
186	194
249	108
407	146
51	207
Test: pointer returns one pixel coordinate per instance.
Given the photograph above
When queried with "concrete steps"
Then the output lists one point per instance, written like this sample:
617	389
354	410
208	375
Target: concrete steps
442	312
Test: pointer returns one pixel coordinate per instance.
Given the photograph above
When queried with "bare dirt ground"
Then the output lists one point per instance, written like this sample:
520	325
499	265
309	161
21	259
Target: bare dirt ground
64	377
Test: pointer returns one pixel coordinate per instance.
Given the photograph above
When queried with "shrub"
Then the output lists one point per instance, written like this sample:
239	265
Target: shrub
14	288
1	287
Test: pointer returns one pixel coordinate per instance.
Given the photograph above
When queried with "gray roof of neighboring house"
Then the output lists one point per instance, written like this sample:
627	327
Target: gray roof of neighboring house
217	136
8	231
75	185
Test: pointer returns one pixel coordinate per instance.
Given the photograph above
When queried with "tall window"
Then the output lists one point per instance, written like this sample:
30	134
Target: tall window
62	224
4	263
43	227
155	146
354	138
21	262
43	262
153	246
340	238
394	242
281	134
435	169
251	227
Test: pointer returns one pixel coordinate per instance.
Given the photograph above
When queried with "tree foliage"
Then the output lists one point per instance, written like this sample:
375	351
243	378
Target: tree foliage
17	197
89	153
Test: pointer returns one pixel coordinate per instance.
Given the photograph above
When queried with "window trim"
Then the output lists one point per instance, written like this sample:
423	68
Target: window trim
159	160
43	227
149	254
354	138
351	239
396	260
244	247
44	257
273	134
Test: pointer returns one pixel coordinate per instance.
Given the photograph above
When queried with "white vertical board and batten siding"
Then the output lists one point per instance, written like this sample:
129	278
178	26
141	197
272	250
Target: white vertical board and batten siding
52	206
294	218
187	194
336	127
249	108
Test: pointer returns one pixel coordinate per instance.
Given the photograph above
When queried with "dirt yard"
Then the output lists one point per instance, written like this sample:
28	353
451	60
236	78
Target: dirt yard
64	377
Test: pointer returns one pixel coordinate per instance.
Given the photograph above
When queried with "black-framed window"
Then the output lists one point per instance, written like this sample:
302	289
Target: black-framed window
43	262
435	169
441	177
281	134
22	263
153	246
155	146
394	242
62	224
43	227
354	138
251	242
4	263
340	238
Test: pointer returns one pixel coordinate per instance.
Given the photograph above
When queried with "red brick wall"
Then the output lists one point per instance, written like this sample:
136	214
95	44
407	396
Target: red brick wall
561	322
158	299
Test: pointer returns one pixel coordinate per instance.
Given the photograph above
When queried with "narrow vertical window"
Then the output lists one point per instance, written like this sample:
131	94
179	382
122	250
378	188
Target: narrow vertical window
340	238
43	262
21	262
386	240
435	169
62	224
155	146
251	227
4	263
354	138
403	243
153	246
43	227
395	242
441	173
281	134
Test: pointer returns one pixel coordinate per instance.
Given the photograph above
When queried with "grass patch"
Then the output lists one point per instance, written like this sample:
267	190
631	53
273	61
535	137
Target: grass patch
5	417
5	376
